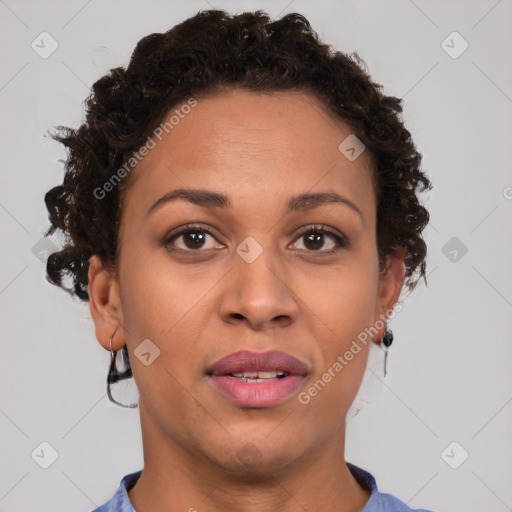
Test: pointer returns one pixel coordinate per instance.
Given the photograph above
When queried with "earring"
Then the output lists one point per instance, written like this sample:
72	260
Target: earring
387	339
113	373
111	337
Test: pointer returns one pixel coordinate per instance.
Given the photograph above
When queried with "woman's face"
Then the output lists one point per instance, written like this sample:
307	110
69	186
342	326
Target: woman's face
252	273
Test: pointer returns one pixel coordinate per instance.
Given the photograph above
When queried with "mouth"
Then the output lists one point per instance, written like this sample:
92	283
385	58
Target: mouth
259	376
257	379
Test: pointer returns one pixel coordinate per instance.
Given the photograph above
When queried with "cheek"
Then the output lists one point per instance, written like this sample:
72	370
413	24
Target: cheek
345	304
345	355
157	306
331	392
345	301
167	307
155	295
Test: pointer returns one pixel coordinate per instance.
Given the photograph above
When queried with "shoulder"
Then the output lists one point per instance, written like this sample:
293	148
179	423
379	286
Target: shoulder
379	501
120	501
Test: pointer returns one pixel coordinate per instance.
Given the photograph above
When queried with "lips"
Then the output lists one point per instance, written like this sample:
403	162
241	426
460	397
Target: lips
248	361
257	379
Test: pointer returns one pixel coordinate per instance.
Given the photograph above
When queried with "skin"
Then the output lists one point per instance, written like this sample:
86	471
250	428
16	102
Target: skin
259	149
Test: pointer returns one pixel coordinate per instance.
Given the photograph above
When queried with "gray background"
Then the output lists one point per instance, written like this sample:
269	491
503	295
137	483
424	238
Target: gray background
450	366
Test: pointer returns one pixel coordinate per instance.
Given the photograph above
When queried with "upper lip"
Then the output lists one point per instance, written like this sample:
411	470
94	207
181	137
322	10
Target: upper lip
246	361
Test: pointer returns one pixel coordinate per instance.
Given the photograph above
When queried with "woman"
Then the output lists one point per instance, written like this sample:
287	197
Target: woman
241	210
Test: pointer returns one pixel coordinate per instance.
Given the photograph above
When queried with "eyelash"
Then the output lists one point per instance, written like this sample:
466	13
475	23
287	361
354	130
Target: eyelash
341	240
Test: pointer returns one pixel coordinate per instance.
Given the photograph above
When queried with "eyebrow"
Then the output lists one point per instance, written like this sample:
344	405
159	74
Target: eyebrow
209	199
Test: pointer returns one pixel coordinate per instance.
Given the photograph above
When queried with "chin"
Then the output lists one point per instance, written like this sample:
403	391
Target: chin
257	457
264	465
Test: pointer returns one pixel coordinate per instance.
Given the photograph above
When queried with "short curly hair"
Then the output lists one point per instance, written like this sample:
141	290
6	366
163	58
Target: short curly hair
205	54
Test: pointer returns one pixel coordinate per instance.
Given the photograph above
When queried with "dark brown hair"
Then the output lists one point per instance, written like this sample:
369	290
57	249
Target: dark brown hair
206	53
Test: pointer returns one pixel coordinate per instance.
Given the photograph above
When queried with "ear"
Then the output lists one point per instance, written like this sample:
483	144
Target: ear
390	285
105	303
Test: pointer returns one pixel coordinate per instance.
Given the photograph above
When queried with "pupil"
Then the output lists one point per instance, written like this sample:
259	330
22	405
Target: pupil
314	239
195	238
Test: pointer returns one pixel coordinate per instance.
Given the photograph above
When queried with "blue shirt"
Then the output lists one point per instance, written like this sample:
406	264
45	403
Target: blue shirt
378	501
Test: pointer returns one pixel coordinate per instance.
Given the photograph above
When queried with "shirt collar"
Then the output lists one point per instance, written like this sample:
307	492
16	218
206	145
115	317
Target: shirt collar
367	480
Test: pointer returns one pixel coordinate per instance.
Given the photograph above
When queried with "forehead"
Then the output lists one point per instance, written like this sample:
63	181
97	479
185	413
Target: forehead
247	144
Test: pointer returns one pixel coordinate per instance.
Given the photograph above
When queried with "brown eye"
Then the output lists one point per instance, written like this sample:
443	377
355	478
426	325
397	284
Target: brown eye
320	239
314	240
191	239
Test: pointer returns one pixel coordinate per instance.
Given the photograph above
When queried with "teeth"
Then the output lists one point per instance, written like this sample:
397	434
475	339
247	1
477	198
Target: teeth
271	374
267	375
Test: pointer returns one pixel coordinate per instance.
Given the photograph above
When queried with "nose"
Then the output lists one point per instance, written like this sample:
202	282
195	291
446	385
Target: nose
258	294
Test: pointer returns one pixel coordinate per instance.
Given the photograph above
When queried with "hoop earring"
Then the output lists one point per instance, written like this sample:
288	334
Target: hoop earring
113	373
386	341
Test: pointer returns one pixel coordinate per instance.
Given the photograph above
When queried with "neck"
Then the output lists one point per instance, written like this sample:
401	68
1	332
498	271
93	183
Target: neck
173	478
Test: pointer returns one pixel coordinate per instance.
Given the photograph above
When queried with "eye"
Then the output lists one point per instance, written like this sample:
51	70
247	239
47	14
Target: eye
192	238
314	239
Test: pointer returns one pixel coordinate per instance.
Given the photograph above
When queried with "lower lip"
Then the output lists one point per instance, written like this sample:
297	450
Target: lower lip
257	394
